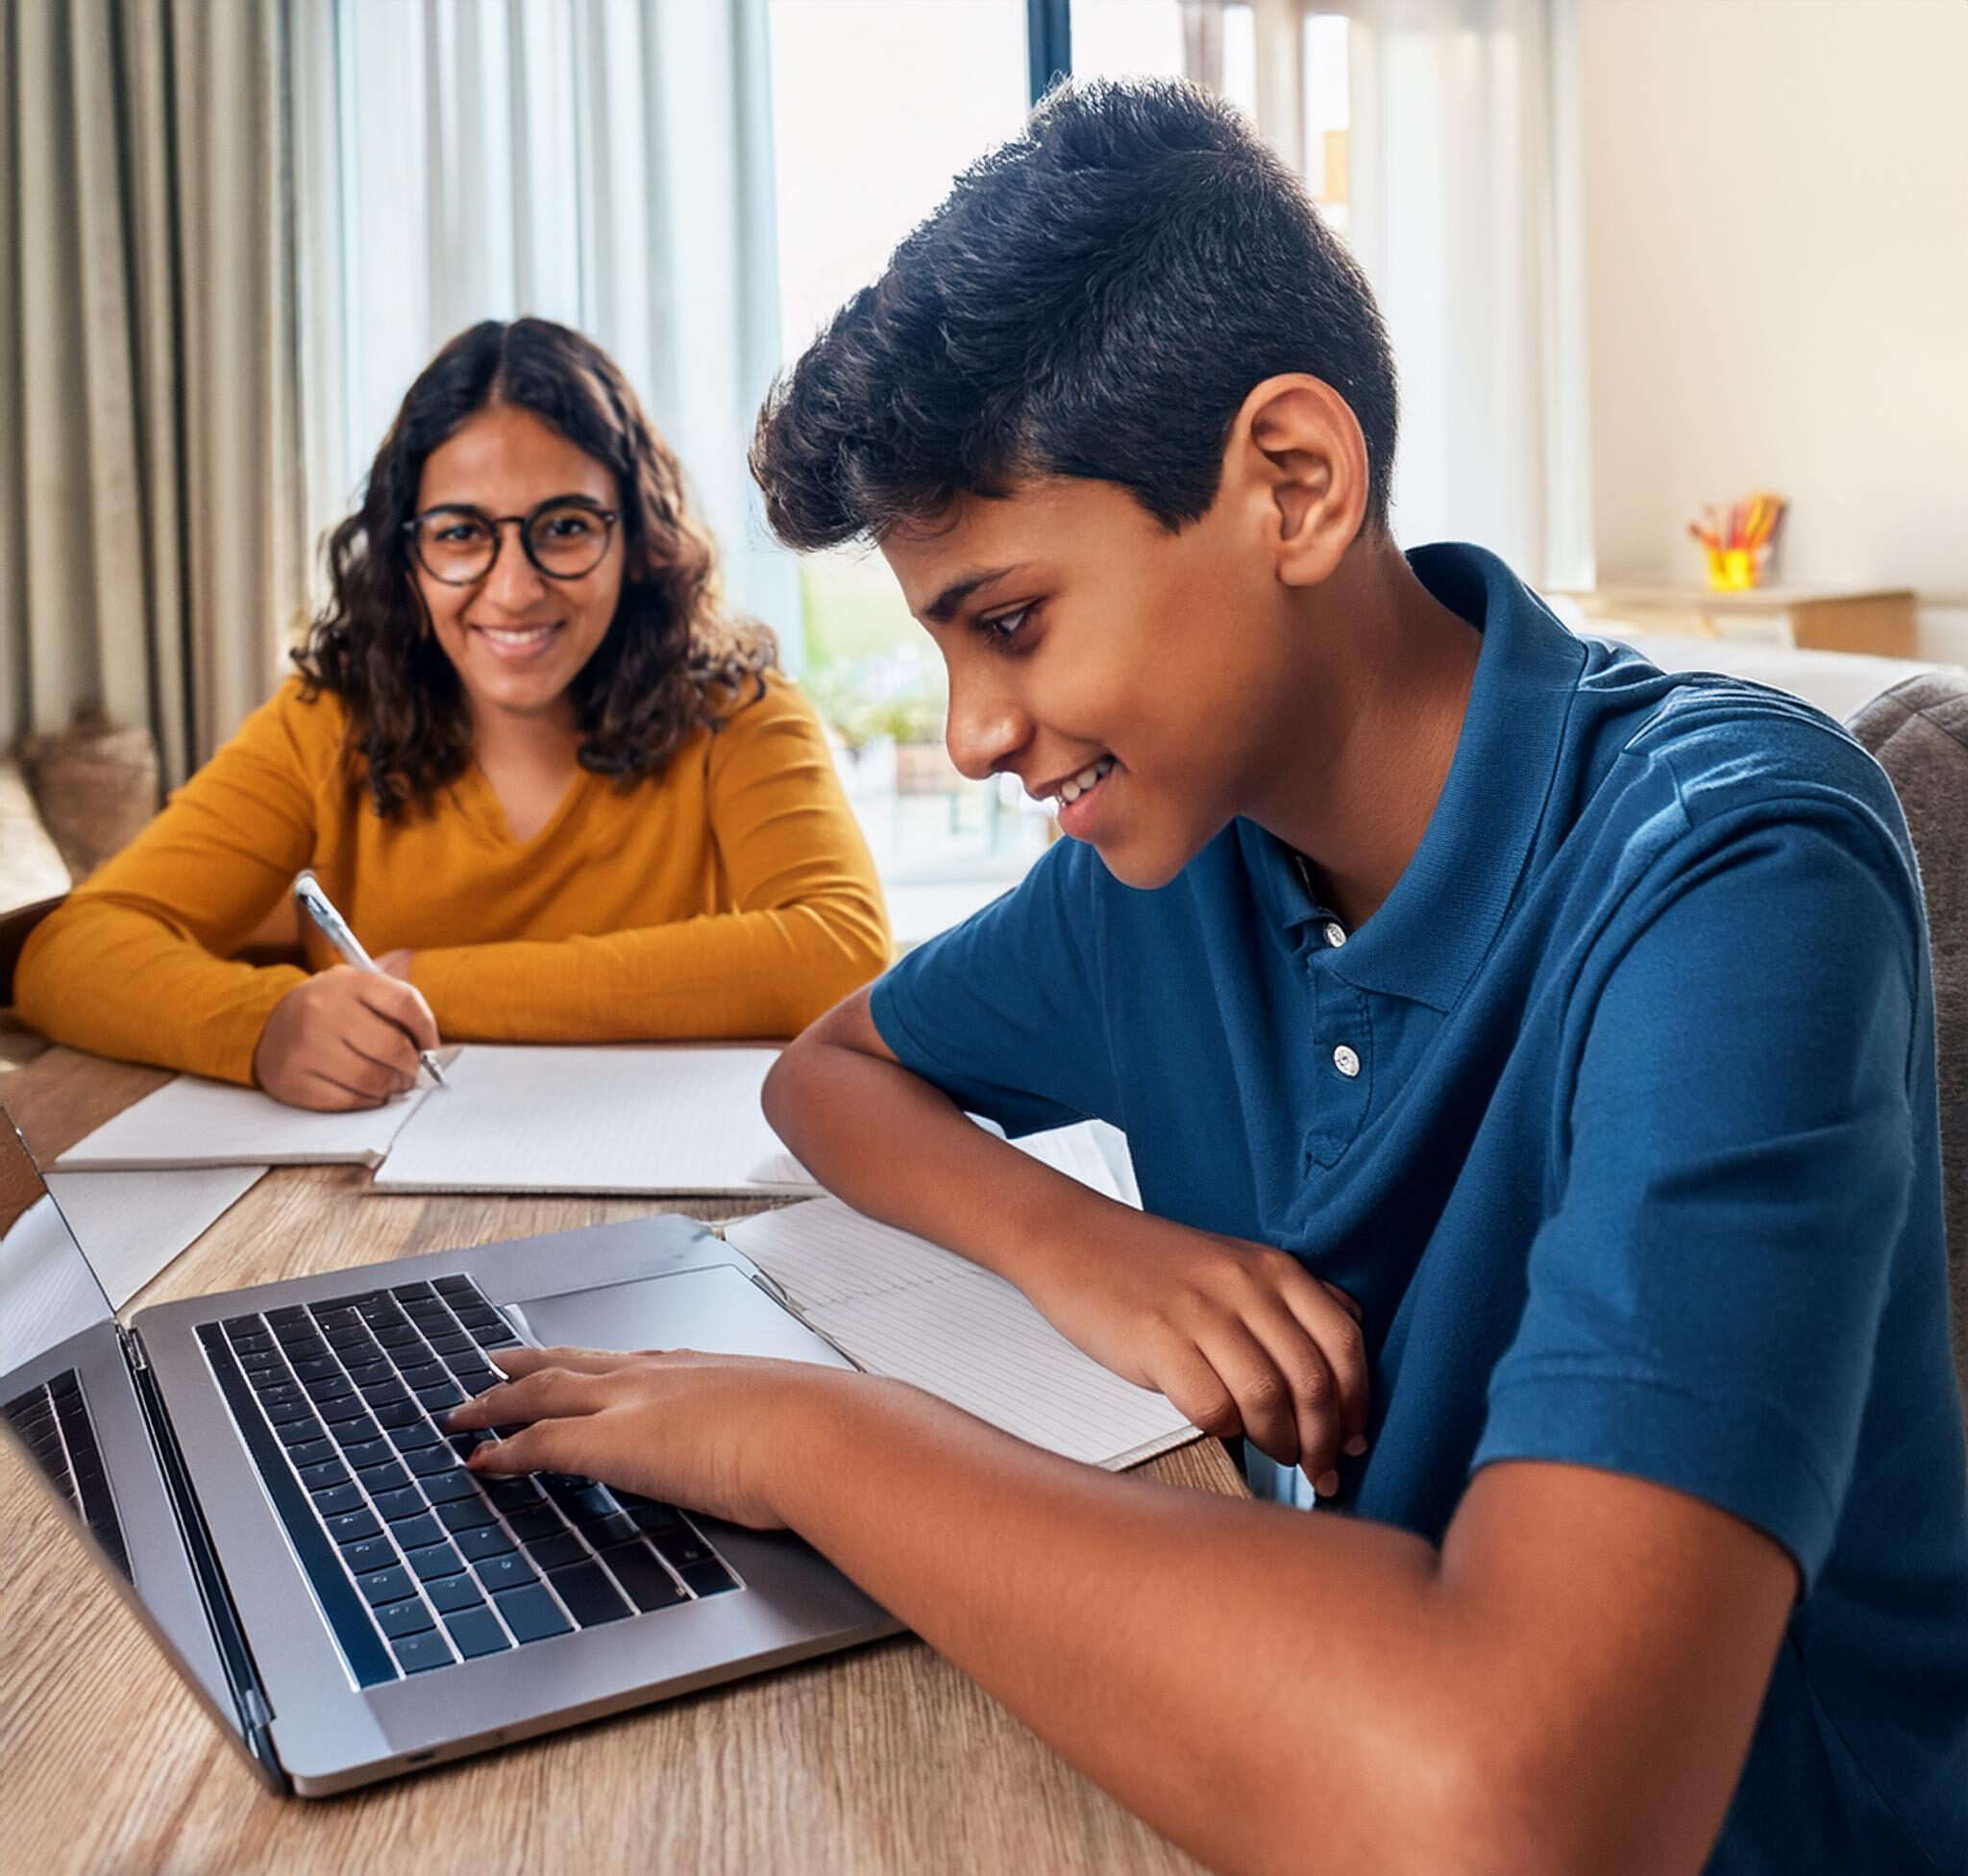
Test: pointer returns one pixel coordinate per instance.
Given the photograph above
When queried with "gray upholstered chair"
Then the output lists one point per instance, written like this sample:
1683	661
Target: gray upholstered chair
1919	732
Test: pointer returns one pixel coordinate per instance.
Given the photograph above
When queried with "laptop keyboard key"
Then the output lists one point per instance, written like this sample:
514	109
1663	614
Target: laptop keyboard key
368	1452
557	1551
419	1653
484	1540
389	1477
429	1461
350	1525
368	1554
411	1532
454	1592
434	1561
446	1394
464	1514
318	1478
314	1453
683	1547
421	1438
509	1572
341	1410
477	1632
391	1585
398	1414
456	1483
590	1598
530	1614
649	1584
294	1433
709	1579
405	1617
336	1500
529	1525
406	1502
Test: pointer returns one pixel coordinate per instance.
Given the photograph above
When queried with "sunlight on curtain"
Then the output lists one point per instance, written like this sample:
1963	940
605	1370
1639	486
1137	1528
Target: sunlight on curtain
152	539
1465	213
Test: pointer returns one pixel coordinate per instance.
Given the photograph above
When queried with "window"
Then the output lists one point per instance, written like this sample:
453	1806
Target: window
876	106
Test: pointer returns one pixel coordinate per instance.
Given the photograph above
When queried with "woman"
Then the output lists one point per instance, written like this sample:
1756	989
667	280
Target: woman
542	773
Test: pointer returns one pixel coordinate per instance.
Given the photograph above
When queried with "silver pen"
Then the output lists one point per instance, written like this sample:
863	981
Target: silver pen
316	903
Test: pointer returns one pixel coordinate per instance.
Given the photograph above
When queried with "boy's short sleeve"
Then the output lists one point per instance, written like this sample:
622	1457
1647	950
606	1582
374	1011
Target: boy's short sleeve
1703	1306
1004	1012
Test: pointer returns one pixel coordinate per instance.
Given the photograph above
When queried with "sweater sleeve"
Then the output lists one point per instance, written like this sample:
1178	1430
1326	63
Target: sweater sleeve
808	926
136	963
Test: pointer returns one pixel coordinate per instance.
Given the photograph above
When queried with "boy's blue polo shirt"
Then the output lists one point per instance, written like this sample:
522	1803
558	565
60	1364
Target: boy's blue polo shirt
1618	1117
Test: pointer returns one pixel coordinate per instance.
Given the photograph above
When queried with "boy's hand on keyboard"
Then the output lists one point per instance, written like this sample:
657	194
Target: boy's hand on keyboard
678	1427
344	1038
1242	1338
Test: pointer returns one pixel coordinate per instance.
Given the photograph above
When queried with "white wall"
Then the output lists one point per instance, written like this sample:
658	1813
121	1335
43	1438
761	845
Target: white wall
1777	256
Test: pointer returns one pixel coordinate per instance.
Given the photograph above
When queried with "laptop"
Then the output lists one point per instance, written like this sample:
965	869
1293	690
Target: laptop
263	1476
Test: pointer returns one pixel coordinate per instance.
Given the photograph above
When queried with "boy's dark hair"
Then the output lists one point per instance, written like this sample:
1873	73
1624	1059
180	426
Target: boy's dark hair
1096	298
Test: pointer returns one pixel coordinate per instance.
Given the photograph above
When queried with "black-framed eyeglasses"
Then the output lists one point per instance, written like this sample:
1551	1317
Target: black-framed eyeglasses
459	544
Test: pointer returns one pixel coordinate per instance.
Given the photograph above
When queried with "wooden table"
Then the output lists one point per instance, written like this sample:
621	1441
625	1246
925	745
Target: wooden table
883	1759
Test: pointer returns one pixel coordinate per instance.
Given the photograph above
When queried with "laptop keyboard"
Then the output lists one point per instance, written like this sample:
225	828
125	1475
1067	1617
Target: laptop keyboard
417	1562
53	1425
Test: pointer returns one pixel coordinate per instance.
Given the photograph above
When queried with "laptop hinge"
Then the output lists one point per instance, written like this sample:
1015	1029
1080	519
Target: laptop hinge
242	1679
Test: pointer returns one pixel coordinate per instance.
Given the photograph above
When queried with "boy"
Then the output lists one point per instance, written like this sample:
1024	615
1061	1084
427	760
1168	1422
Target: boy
1529	1065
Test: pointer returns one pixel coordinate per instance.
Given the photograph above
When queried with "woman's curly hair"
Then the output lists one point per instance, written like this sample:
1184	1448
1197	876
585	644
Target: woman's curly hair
672	658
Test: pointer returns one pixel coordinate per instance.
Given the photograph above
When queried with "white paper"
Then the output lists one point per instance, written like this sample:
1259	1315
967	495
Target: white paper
131	1225
193	1122
660	1120
898	1305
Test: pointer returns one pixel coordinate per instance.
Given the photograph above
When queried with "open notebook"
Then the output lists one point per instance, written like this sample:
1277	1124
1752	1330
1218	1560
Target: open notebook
671	1119
193	1122
668	1119
895	1304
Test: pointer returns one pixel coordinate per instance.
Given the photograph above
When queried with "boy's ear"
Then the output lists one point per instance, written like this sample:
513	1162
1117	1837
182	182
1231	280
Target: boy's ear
1305	460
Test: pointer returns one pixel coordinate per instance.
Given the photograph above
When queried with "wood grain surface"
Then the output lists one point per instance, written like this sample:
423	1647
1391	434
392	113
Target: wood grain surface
885	1759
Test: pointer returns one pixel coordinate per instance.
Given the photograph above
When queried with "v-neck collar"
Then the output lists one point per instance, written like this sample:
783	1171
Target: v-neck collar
479	803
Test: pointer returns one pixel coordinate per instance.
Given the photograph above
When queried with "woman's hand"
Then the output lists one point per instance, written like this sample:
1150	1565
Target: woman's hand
344	1038
1242	1338
707	1431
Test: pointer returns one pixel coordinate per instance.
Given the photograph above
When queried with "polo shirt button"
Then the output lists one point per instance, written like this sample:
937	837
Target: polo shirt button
1335	933
1346	1061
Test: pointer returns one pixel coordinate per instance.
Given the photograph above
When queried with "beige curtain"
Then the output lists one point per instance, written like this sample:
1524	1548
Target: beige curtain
153	547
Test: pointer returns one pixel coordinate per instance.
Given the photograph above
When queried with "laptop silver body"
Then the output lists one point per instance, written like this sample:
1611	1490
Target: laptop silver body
153	1442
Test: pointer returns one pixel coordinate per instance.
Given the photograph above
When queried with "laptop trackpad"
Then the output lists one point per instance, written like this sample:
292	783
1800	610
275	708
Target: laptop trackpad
717	1310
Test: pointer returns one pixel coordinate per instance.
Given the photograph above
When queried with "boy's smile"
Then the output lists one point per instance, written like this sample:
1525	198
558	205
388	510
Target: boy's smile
1130	673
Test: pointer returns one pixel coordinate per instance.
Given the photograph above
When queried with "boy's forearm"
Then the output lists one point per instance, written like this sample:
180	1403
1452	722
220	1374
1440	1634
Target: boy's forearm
902	1152
1287	1723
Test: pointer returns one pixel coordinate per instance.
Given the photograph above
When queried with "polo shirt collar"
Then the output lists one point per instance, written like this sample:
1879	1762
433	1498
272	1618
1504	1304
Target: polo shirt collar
1435	928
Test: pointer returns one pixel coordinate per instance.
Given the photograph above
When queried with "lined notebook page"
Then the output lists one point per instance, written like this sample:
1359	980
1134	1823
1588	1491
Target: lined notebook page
193	1122
898	1305
131	1225
657	1119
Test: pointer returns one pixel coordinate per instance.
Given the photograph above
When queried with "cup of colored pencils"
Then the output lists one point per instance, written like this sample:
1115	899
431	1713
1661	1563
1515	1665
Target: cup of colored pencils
1738	541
